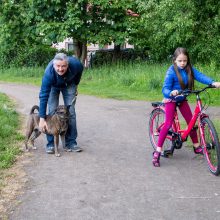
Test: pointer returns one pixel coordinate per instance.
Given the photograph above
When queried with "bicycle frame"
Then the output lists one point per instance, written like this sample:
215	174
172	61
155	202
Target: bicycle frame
197	115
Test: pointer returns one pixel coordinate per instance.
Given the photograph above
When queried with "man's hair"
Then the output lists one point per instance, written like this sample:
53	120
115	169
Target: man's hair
61	56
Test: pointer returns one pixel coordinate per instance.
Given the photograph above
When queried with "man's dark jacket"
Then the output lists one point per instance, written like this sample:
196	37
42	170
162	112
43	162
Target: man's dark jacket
52	79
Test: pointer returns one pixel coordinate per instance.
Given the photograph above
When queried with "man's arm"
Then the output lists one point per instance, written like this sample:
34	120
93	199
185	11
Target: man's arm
46	85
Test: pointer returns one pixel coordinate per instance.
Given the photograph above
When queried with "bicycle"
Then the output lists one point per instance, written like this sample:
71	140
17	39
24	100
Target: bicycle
200	121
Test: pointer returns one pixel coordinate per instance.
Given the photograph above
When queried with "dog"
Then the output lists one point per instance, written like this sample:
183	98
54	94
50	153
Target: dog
57	126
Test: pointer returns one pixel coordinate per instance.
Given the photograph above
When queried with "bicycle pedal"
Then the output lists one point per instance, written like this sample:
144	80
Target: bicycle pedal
167	153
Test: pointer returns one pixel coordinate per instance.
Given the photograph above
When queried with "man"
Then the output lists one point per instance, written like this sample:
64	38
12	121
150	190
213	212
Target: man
62	74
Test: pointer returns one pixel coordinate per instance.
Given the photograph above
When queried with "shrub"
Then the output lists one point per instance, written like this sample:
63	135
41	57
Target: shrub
108	56
26	56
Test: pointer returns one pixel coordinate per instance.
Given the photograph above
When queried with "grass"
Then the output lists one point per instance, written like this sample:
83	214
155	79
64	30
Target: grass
23	75
9	135
139	81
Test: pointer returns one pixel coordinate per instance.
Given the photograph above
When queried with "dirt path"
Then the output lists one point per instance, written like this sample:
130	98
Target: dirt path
113	177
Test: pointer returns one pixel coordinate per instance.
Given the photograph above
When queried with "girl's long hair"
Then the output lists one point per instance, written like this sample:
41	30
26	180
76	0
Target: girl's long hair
188	68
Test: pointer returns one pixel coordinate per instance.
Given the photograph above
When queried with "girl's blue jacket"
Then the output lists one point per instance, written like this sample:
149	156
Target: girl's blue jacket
52	79
171	81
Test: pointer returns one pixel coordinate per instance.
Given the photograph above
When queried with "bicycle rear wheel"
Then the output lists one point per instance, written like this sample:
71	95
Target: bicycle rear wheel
211	146
156	123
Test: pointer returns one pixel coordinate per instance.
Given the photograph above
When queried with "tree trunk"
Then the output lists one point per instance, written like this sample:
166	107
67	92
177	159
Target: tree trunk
80	50
116	53
84	54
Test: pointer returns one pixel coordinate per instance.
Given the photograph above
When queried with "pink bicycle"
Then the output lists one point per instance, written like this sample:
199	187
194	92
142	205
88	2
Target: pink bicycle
200	121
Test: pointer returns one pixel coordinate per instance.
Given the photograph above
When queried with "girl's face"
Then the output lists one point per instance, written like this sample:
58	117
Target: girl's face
181	61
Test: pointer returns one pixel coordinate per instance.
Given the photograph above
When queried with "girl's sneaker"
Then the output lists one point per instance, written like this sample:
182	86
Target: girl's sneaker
198	150
156	158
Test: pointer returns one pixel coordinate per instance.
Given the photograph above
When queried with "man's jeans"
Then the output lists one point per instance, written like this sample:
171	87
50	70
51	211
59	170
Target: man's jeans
69	98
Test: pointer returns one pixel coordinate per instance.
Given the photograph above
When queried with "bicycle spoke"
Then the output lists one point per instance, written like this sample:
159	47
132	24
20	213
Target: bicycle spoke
155	124
211	145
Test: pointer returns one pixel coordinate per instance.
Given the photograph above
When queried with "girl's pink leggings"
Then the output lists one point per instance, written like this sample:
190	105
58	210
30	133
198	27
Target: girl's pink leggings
169	117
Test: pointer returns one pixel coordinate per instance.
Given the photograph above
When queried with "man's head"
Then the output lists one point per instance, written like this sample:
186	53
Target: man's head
60	63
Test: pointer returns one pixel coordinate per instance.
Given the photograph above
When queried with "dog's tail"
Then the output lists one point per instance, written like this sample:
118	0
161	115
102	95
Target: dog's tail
35	107
35	134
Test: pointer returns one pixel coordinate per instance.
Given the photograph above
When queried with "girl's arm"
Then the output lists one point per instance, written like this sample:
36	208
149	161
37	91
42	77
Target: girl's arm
168	83
202	78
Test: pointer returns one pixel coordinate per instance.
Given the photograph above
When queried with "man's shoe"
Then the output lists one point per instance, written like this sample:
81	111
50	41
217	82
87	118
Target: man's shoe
75	148
50	150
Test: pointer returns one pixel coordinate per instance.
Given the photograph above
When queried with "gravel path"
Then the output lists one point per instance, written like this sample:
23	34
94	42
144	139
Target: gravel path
112	179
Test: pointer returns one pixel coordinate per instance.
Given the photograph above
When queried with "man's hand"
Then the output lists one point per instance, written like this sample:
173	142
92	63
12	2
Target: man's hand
43	125
174	93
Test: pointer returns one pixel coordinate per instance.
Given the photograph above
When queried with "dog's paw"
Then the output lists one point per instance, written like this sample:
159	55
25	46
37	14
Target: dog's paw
57	155
25	149
34	148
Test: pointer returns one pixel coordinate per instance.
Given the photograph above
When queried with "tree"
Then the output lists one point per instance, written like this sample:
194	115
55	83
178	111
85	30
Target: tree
167	24
12	23
206	44
93	21
19	44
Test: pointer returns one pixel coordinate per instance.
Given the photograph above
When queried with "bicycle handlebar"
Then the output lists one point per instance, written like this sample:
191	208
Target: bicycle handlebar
187	92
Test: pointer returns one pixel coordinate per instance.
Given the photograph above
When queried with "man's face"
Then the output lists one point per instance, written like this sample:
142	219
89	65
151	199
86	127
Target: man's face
60	67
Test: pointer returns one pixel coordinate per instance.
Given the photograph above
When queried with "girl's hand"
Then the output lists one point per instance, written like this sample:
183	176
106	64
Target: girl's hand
174	93
216	84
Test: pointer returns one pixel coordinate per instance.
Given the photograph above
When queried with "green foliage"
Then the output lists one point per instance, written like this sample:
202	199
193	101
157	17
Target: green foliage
26	56
94	21
8	132
162	25
167	24
125	55
12	23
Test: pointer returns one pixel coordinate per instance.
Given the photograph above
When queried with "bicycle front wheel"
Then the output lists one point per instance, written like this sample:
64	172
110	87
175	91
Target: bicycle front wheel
211	146
156	123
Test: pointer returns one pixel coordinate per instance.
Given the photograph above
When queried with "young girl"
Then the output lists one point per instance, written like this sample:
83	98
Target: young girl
179	76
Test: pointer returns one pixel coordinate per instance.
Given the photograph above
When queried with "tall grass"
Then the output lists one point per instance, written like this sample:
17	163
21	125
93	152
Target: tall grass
124	81
26	75
139	81
9	134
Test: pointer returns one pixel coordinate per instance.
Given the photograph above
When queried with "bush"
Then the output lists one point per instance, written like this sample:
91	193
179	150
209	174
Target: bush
108	56
35	56
26	56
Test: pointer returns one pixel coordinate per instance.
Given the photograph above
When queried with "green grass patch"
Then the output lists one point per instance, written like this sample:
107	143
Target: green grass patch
124	81
9	132
26	75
